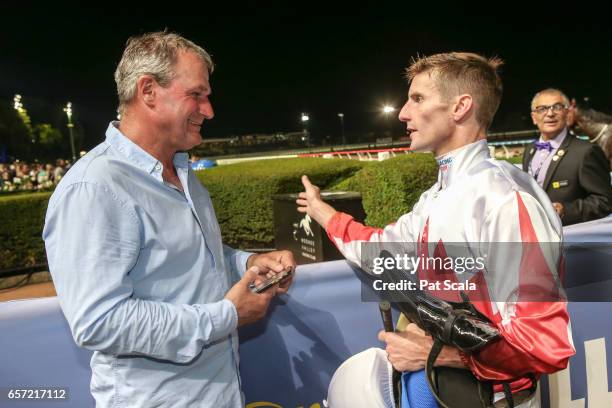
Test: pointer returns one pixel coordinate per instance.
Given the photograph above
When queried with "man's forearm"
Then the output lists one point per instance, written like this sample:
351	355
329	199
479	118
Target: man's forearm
155	329
322	213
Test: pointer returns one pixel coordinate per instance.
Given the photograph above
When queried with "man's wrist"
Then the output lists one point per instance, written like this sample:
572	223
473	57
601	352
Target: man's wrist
464	359
451	357
559	209
324	213
250	261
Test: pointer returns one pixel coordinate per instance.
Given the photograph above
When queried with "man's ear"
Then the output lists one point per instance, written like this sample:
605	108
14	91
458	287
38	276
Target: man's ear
463	105
533	118
145	89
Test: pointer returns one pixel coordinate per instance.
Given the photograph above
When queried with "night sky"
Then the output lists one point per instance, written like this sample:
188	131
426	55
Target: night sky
272	64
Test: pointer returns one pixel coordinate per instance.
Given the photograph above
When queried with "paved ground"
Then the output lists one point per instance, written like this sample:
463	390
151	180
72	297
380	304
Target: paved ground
34	290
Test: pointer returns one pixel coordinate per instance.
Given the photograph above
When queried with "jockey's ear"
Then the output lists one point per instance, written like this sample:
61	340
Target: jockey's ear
573	103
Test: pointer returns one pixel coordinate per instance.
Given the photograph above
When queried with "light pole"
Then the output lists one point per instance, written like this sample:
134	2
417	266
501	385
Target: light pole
68	110
341	116
17	103
23	114
305	118
387	110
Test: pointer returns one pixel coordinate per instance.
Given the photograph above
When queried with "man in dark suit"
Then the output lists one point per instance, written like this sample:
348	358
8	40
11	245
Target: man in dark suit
574	172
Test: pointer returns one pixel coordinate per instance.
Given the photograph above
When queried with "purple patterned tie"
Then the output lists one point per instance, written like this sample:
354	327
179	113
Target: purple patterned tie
543	146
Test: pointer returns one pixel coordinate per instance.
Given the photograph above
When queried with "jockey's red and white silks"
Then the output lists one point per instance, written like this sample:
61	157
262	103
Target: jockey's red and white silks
482	202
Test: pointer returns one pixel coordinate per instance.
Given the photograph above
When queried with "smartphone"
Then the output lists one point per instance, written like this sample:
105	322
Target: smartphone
268	283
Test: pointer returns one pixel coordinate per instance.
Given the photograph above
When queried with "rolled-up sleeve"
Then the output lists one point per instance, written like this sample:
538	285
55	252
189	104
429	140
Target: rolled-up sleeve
236	261
93	241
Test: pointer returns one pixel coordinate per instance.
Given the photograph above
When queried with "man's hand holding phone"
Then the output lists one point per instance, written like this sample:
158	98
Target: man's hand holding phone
250	306
273	263
279	278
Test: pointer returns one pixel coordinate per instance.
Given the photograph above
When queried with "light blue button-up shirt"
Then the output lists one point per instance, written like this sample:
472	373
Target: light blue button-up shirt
141	273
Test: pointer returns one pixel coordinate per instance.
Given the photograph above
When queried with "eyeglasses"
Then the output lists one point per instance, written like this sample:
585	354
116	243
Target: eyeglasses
556	108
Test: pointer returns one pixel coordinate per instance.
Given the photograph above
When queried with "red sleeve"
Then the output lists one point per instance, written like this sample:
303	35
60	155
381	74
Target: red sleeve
536	341
343	228
348	234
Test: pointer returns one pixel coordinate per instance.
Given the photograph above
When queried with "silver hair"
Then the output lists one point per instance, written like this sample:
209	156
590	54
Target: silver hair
152	54
566	100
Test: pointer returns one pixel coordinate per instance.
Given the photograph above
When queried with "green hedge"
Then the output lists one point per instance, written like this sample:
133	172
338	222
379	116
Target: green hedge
515	160
21	222
391	188
241	194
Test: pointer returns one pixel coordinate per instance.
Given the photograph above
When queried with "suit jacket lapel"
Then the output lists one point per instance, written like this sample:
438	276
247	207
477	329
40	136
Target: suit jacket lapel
528	155
555	163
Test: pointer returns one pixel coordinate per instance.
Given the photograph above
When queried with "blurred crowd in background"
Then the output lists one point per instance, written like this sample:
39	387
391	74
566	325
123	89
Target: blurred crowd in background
21	176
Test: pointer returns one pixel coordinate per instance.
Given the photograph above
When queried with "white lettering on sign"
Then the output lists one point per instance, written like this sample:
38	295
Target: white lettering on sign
561	392
596	379
597	373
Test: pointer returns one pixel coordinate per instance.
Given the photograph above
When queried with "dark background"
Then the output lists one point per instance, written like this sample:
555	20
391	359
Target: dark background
273	63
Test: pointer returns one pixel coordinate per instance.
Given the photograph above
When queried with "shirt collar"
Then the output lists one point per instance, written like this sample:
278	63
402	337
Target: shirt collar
455	162
181	160
138	155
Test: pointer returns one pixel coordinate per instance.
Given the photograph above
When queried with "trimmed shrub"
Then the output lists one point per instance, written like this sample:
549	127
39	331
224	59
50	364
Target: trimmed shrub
392	187
242	193
21	223
515	160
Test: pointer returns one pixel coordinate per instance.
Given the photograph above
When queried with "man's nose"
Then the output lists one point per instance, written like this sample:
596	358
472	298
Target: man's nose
404	115
206	109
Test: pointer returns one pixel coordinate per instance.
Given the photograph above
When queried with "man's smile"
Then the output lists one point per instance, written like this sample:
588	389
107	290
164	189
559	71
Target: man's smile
194	123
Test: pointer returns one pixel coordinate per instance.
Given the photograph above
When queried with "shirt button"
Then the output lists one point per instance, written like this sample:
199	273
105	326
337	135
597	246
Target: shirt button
158	167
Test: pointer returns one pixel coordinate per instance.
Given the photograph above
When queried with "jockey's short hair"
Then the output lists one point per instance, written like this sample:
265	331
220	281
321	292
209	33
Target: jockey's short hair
457	73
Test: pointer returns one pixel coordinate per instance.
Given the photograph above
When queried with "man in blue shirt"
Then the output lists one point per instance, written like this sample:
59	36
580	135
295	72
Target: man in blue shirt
135	249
